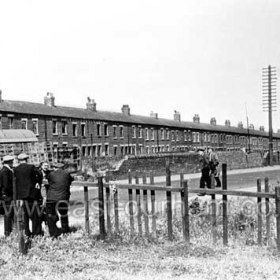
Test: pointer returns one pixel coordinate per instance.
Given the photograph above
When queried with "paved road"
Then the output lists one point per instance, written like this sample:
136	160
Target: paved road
237	179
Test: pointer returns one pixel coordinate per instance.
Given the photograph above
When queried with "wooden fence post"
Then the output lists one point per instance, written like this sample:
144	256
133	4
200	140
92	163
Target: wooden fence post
116	210
130	205
139	212
277	214
101	207
225	215
153	199
86	209
214	212
145	202
267	210
108	208
169	199
259	209
185	212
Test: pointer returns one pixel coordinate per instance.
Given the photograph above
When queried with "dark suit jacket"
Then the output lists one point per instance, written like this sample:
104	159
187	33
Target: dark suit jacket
27	175
6	183
59	185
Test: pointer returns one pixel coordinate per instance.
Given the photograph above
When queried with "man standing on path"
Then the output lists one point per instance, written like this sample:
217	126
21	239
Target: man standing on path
205	171
58	199
28	179
7	192
214	166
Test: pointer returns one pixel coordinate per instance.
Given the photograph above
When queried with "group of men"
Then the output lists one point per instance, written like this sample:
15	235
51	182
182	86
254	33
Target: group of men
209	165
23	186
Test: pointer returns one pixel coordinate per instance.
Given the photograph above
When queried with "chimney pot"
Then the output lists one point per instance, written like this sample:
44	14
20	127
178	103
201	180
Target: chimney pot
240	125
227	123
153	115
91	104
49	100
177	116
196	118
213	121
126	110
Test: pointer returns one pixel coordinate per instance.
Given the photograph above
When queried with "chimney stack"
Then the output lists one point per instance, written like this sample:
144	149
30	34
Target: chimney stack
196	118
49	100
240	125
227	123
177	116
126	110
153	115
213	121
91	105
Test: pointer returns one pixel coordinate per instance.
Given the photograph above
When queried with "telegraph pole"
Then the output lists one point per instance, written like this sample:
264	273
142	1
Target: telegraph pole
269	102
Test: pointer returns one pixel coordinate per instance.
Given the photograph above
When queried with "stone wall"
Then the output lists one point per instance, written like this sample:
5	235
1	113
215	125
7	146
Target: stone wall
183	162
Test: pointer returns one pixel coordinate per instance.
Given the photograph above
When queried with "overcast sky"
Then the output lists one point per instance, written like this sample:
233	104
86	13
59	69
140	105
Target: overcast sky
194	56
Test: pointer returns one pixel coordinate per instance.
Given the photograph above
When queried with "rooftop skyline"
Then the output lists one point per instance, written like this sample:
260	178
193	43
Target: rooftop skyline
196	57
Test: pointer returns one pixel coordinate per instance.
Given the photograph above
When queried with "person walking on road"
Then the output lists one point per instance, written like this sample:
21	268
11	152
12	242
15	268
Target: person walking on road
7	193
205	171
28	179
58	199
214	167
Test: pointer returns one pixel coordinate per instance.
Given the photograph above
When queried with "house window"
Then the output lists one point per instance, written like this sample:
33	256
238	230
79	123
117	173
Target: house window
147	150
99	150
106	147
140	132
115	150
172	136
98	129
162	134
133	132
83	129
64	127
11	122
35	126
185	135
198	136
74	129
23	123
167	134
147	134
121	131
106	130
177	135
54	127
152	134
114	131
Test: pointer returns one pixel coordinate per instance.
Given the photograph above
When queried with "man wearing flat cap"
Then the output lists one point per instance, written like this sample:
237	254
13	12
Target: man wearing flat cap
6	187
58	199
28	178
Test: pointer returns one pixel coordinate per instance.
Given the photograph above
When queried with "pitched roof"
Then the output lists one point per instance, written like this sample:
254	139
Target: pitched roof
31	108
17	136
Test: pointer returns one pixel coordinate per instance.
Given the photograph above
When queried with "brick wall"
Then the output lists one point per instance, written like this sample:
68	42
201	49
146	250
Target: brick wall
184	162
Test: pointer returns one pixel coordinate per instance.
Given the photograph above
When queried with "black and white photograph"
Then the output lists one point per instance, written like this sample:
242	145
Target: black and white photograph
139	139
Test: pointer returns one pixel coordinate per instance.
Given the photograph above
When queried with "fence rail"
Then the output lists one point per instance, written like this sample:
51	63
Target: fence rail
145	221
148	191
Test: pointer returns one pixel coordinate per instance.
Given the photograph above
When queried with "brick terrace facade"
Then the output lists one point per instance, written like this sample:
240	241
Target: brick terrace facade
102	133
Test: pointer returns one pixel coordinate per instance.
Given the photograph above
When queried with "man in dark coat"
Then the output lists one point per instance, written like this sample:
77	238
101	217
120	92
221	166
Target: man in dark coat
205	171
6	187
28	178
58	199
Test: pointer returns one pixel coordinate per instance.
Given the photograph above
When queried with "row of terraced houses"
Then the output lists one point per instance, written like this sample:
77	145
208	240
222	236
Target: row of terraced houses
103	133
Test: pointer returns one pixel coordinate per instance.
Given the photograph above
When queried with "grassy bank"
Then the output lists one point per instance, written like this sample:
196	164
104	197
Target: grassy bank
121	256
79	257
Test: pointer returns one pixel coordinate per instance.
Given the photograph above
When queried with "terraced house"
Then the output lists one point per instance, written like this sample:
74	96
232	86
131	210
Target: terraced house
90	132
